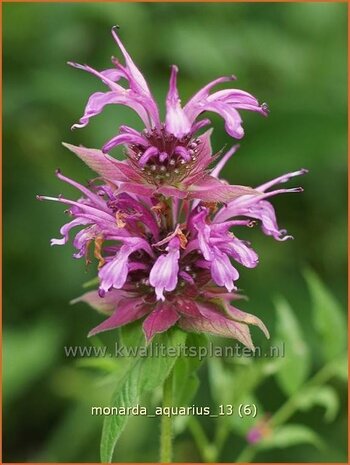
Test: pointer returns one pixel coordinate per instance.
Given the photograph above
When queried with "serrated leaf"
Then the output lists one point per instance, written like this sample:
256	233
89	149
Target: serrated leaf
290	435
295	365
328	317
324	396
125	395
156	368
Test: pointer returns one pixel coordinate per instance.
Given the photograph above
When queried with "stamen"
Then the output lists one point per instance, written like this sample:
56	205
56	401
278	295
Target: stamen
97	251
163	156
183	152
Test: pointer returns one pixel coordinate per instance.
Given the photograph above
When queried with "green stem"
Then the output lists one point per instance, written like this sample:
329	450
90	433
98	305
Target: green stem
221	435
291	405
247	455
205	448
166	422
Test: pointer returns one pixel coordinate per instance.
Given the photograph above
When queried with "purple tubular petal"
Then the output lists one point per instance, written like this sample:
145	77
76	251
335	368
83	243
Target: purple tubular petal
183	152
281	179
225	103
216	171
113	74
137	82
160	320
241	203
241	252
87	192
163	156
222	271
85	211
115	272
125	138
83	239
103	76
186	277
203	232
164	273
235	97
144	214
99	100
128	310
147	155
265	212
231	116
176	121
199	125
191	106
128	130
135	76
67	227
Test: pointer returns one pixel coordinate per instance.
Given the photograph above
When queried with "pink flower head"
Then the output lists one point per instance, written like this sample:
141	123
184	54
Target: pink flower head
162	227
169	158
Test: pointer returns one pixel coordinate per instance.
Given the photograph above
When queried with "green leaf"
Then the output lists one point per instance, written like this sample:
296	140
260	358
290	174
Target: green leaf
156	368
220	380
126	395
131	335
324	396
184	391
28	353
73	420
103	364
340	368
295	366
231	384
328	317
197	345
243	425
290	435
144	374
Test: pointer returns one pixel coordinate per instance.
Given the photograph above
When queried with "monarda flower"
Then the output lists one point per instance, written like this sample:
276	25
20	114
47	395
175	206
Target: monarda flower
167	158
165	231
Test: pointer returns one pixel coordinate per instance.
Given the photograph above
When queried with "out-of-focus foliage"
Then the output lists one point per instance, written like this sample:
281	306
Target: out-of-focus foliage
292	56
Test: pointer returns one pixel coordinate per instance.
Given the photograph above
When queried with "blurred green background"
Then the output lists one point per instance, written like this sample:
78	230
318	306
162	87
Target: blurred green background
294	57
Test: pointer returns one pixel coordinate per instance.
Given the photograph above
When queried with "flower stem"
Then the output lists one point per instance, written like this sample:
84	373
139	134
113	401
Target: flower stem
166	422
206	449
291	405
